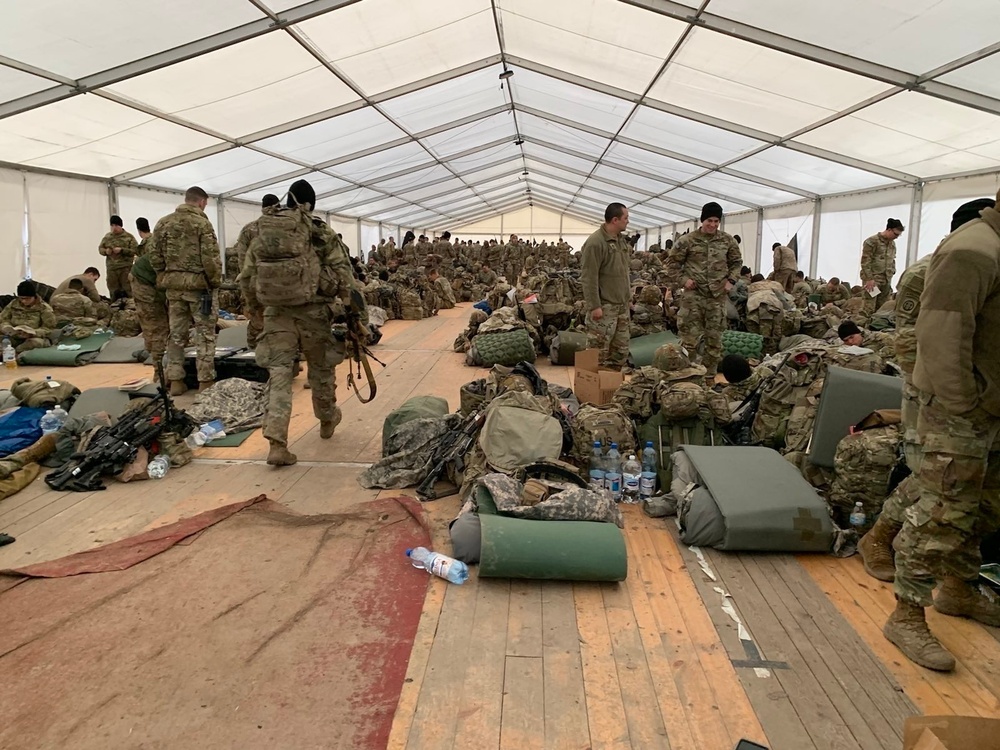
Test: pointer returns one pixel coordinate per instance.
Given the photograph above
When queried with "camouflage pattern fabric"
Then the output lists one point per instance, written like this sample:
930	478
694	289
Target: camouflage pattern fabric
573	504
238	403
878	264
701	319
38	321
71	304
610	334
863	464
125	321
801	292
41	393
151	307
185	252
185	307
411	307
605	424
958	482
120	251
288	331
637	396
408	453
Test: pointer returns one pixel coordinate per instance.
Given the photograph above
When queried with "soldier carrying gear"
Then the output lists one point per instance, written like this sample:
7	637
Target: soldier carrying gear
253	311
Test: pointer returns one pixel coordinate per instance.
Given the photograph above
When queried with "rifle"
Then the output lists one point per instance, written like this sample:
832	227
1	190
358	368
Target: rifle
356	336
739	430
452	448
113	448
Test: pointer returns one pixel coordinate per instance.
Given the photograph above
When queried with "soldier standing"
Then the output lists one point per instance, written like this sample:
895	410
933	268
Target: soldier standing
956	375
142	227
606	291
785	266
254	313
878	264
119	248
305	327
705	263
151	307
185	254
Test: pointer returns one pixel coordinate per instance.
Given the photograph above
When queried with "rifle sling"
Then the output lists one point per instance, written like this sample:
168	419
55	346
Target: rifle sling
359	356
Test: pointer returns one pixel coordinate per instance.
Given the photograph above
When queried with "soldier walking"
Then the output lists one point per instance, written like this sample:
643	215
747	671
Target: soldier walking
604	265
185	255
705	263
151	307
253	312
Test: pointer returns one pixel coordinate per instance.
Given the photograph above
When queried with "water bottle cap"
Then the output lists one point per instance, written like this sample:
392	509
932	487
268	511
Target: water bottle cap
597	443
649	443
409	552
615	446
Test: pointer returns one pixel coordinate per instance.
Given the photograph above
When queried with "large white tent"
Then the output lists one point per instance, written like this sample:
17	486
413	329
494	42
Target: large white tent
812	119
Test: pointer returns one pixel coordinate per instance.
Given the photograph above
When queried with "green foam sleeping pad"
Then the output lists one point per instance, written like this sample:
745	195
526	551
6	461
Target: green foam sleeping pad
52	356
503	348
750	345
642	348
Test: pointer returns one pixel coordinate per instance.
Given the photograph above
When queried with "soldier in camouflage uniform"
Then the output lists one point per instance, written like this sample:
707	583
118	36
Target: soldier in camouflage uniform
878	264
142	227
705	263
253	313
185	254
785	266
125	318
605	259
833	293
801	290
151	307
876	546
958	476
119	249
306	328
766	311
27	321
72	306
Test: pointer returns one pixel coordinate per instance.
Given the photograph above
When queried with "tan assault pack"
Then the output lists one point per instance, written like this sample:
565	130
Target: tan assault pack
288	272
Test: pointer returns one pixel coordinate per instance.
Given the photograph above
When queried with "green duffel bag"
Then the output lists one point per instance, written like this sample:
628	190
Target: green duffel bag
418	407
501	348
750	345
565	345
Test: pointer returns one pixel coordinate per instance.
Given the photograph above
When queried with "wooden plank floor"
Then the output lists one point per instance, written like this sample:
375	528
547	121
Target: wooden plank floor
697	649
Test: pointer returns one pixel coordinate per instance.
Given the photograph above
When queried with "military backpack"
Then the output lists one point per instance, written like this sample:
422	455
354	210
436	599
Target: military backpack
605	424
288	270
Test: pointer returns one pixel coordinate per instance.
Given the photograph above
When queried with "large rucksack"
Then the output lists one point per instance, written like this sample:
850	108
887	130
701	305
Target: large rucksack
668	435
864	464
288	271
605	424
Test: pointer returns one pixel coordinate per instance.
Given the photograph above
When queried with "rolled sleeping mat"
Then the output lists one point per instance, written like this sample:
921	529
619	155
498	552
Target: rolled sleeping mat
551	550
642	348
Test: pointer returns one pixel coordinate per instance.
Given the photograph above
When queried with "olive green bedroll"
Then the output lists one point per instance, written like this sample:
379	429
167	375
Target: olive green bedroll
642	348
548	550
84	352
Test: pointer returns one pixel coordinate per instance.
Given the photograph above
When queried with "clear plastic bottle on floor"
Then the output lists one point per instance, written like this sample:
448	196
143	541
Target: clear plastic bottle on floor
613	472
440	565
158	467
858	518
597	467
204	434
647	480
49	423
9	355
631	477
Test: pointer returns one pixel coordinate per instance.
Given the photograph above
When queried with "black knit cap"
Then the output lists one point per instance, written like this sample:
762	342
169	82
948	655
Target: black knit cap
847	328
27	288
142	224
969	211
269	200
116	221
735	368
711	210
301	193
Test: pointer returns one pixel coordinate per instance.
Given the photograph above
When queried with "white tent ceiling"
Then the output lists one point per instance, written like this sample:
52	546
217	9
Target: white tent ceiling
398	112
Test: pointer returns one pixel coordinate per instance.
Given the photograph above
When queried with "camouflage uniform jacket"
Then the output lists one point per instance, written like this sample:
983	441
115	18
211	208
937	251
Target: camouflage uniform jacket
605	265
911	286
185	252
958	331
143	246
39	317
878	259
784	259
767	293
122	241
71	304
834	296
801	292
247	235
708	259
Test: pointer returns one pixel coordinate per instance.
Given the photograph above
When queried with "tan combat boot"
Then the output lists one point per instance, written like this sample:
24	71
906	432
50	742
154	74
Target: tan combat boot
44	446
907	630
327	426
960	598
205	385
875	549
279	455
178	388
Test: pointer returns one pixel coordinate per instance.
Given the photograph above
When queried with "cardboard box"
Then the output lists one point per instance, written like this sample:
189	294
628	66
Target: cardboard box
592	384
951	733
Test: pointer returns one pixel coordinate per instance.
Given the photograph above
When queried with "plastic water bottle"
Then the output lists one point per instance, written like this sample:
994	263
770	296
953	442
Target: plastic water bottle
158	467
647	479
9	355
597	467
205	433
858	518
631	474
61	414
440	565
50	423
613	472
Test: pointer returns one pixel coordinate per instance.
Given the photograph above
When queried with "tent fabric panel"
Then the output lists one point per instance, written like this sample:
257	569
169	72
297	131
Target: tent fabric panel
546	130
475	134
67	219
347	228
369	238
808	172
221	172
941	199
558	157
11	228
568	100
411	180
744	224
152	205
780	225
982	76
236	215
369	167
335	137
687	136
626	156
320	181
445	102
15	83
737	187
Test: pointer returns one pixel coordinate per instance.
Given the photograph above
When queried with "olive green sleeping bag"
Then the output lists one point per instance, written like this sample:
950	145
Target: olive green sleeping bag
502	348
642	348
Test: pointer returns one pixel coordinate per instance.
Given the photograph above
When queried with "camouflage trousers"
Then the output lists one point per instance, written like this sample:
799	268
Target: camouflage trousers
786	279
611	335
767	323
905	493
958	483
700	322
287	331
24	344
255	322
184	311
872	304
119	279
151	306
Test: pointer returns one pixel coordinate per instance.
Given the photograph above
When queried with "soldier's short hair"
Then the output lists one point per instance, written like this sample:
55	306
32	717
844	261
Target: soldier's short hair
195	194
614	211
834	281
775	245
800	275
76	284
91	271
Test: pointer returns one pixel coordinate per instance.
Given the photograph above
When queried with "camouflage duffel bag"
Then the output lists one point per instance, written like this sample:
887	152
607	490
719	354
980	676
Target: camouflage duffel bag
637	396
864	464
472	397
750	345
565	345
501	348
410	306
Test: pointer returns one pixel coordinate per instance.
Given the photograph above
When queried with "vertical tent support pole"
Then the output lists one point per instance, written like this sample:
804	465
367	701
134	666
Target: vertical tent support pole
916	209
814	247
361	254
221	213
112	198
760	239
